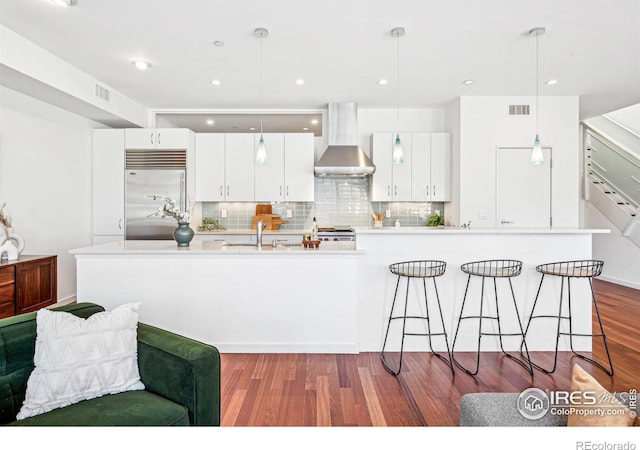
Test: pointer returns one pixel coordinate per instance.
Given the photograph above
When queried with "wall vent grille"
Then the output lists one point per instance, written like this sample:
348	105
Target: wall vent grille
103	93
155	159
519	110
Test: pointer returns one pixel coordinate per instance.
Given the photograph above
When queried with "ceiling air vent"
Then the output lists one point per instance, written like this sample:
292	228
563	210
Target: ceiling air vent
103	93
519	110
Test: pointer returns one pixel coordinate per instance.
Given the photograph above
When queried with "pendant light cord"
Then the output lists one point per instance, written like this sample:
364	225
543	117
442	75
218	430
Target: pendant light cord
398	82
537	81
261	83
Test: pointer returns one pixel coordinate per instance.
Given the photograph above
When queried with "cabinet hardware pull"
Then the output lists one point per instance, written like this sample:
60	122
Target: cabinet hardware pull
433	191
427	191
227	191
221	191
281	191
388	190
151	138
287	190
120	224
395	190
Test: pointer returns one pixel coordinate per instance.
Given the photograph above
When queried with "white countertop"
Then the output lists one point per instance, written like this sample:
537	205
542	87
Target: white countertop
198	247
456	230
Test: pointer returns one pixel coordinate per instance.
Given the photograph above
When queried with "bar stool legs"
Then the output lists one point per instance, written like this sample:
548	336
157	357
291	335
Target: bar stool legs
413	270
492	269
575	269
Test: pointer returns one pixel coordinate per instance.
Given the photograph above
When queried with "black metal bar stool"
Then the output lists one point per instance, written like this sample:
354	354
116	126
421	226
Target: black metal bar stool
567	270
423	270
496	268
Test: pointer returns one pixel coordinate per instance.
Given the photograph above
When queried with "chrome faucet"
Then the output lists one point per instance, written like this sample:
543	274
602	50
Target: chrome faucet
260	226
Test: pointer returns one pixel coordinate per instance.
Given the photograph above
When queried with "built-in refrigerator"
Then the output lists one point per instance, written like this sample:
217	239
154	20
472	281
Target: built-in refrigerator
147	179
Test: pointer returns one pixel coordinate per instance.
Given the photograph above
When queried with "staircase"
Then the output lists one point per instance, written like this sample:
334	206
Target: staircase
613	180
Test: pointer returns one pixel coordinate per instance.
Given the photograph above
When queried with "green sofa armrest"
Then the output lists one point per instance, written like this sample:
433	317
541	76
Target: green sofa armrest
194	378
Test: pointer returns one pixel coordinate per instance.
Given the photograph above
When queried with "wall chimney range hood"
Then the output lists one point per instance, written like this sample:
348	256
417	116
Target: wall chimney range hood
343	157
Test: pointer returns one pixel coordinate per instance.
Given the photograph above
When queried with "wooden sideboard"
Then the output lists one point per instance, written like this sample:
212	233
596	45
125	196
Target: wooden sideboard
27	284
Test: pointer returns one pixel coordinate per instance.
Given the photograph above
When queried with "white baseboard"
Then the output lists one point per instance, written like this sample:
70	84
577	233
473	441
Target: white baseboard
619	281
288	348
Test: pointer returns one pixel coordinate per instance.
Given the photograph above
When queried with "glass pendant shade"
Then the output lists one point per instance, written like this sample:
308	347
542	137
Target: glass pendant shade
397	156
537	157
261	152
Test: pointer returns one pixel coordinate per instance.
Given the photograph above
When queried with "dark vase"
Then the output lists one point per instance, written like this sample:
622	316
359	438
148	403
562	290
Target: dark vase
183	234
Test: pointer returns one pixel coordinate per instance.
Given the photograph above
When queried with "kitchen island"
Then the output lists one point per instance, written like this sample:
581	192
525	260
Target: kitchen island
335	299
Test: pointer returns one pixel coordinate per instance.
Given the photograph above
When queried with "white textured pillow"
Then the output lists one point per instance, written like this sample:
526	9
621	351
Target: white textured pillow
80	359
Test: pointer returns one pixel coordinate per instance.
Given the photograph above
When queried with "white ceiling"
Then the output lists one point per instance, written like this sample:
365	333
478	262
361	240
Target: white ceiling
341	48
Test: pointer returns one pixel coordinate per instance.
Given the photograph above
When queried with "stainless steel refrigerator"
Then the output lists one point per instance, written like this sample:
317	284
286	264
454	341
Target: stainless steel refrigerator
141	185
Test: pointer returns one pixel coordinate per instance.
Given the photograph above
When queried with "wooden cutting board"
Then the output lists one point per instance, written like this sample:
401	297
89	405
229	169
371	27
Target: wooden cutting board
273	221
264	208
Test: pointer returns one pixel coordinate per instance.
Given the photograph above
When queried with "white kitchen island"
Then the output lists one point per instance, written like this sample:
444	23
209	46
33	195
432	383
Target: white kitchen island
331	300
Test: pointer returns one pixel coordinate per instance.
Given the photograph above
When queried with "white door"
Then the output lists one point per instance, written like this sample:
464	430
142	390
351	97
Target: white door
239	165
298	167
421	167
108	182
140	138
401	189
172	138
269	177
210	184
381	151
523	190
440	167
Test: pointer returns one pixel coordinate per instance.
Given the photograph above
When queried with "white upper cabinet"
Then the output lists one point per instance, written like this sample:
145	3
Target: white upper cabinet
431	177
440	167
108	183
165	138
269	177
299	179
391	182
210	167
425	175
239	167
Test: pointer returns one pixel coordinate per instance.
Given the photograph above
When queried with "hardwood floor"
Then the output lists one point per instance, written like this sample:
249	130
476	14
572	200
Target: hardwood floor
355	390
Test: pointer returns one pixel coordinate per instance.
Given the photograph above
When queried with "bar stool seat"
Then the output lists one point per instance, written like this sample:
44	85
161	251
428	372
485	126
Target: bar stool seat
585	269
494	269
421	269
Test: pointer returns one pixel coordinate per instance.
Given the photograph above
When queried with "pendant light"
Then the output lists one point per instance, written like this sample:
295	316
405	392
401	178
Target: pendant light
397	157
537	157
261	152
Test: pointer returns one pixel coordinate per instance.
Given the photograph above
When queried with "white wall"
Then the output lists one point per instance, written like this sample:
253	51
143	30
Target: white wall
485	125
628	117
621	257
45	167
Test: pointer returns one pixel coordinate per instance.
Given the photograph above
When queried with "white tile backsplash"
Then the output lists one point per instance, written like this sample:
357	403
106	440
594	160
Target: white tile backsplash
338	201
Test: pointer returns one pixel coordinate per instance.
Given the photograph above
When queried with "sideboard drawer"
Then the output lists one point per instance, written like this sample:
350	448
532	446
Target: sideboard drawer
6	310
7	293
7	275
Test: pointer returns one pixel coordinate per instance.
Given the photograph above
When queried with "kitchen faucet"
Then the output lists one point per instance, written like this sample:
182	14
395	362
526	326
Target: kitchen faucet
260	226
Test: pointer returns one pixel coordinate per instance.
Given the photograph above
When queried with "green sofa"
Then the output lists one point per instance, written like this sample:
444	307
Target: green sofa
181	378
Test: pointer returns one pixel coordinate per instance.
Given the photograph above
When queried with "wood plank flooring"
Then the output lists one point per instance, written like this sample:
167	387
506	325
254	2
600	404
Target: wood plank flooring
355	390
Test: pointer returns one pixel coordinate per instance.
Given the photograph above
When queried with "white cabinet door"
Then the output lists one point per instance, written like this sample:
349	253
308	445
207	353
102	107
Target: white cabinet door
421	167
299	179
440	167
172	138
166	138
269	177
210	167
239	167
401	189
140	138
382	179
391	182
108	182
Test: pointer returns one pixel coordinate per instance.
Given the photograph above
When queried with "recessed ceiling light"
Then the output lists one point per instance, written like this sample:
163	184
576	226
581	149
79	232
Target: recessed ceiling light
141	64
551	82
305	129
218	43
210	122
314	121
252	129
64	3
215	82
382	82
467	82
299	81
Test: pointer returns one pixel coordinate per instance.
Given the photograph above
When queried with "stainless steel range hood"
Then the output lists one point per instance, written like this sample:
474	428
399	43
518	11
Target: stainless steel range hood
343	157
